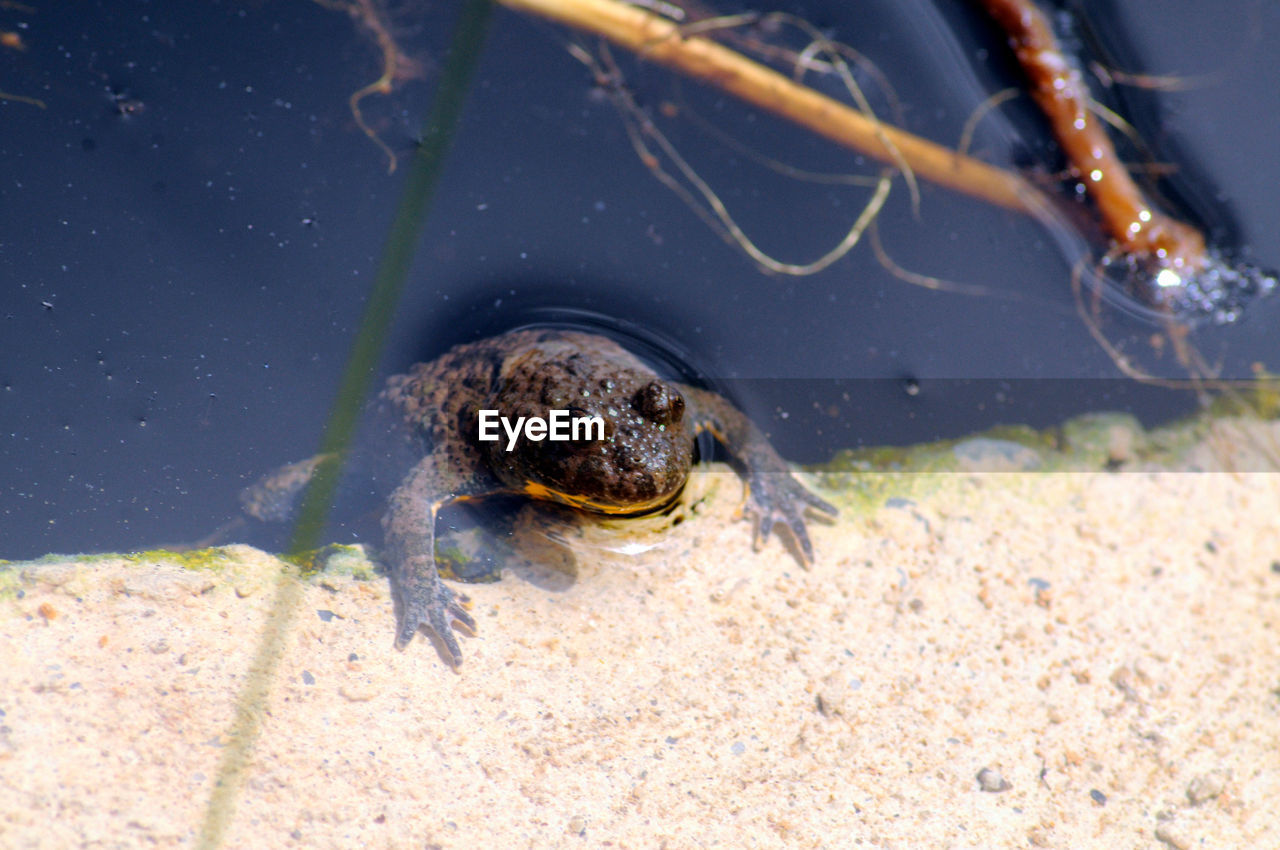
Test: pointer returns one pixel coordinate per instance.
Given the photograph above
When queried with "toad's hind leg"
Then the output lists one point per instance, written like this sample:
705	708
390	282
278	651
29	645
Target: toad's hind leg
410	530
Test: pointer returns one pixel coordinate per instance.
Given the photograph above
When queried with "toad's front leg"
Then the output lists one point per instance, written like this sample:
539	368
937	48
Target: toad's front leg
409	527
775	495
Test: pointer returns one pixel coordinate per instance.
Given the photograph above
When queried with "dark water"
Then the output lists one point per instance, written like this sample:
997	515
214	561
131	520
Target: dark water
189	229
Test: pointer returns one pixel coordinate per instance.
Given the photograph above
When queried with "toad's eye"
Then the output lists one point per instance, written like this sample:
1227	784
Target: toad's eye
658	403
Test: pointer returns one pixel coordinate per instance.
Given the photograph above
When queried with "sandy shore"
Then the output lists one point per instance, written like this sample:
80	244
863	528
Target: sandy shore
1046	659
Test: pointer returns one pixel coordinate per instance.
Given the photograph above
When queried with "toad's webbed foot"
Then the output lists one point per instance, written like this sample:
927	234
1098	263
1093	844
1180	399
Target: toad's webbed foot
425	600
774	493
777	497
410	524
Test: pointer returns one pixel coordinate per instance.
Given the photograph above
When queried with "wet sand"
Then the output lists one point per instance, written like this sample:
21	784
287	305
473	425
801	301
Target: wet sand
977	659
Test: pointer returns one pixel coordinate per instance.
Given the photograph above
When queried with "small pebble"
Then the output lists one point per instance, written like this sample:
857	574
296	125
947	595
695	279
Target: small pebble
247	589
1206	787
1168	835
983	454
991	781
358	691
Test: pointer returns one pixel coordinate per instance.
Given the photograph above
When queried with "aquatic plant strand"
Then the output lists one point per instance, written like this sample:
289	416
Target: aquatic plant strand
393	269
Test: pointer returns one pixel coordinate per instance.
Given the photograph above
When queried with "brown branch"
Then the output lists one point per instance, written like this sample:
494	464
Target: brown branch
663	42
1156	262
1059	90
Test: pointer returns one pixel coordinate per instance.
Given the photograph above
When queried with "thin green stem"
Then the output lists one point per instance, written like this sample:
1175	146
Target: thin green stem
393	270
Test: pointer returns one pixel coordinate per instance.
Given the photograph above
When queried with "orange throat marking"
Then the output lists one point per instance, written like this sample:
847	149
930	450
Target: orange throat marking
585	503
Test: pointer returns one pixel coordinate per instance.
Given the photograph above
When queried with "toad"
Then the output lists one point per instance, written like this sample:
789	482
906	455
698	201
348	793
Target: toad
491	412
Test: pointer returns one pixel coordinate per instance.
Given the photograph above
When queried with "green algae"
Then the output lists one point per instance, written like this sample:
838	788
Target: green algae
234	569
215	559
10	582
335	559
862	480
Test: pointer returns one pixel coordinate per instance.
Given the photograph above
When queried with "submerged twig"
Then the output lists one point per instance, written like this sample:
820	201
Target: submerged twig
395	66
664	42
1058	88
1161	261
12	40
711	209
